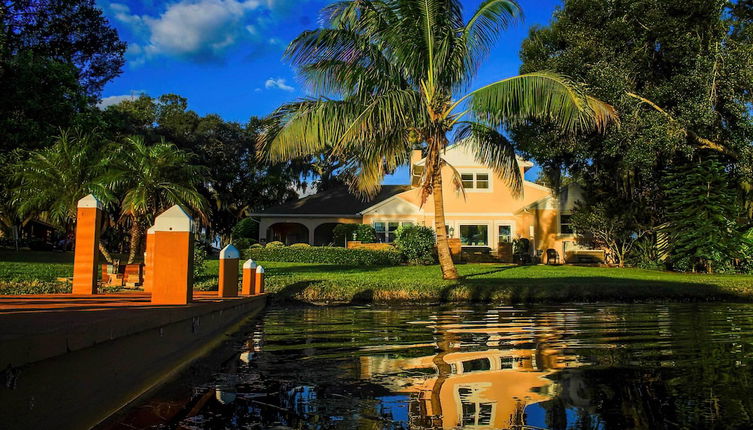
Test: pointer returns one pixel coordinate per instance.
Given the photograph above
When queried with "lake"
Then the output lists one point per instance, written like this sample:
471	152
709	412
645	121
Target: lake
480	367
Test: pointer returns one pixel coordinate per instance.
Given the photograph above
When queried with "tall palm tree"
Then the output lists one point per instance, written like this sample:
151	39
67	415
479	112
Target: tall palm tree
391	74
50	182
152	178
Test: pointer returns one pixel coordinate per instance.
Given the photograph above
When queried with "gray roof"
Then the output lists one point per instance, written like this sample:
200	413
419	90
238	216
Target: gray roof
337	201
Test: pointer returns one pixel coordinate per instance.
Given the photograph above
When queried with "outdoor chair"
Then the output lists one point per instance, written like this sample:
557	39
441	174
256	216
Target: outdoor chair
552	254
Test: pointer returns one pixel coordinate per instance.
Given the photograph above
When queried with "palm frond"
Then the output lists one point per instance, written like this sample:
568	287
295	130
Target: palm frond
541	96
492	149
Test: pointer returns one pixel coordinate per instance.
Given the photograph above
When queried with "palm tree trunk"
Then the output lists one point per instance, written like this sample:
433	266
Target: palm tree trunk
443	246
105	252
135	242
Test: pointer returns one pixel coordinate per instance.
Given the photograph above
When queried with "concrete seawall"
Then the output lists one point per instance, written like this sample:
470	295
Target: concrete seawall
71	361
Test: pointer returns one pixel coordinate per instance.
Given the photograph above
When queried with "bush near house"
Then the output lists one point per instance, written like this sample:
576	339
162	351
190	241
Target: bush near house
363	233
416	243
326	255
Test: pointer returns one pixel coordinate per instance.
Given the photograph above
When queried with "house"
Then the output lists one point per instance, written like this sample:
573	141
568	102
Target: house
484	216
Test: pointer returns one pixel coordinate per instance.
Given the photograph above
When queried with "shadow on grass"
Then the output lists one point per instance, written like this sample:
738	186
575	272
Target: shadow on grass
587	289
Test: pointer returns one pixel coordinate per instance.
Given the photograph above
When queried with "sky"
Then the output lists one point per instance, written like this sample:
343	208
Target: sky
225	56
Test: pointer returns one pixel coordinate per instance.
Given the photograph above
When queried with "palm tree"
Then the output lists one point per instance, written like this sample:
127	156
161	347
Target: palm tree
391	74
152	178
50	182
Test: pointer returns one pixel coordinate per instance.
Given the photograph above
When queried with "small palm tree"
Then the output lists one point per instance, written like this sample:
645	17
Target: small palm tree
392	74
152	178
50	182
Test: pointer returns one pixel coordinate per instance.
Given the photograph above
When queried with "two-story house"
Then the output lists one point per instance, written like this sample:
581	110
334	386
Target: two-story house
485	215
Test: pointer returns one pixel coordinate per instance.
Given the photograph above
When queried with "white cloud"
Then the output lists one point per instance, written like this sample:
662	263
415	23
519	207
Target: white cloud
200	30
278	83
113	100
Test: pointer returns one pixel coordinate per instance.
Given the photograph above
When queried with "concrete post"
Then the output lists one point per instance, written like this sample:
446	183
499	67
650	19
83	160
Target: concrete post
249	278
229	257
148	263
88	218
172	263
259	287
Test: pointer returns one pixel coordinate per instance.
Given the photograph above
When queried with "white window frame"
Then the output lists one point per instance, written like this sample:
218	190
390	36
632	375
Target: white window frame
489	239
497	224
387	234
475	173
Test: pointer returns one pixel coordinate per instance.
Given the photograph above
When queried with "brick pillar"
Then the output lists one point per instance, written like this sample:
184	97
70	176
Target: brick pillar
229	257
88	218
148	257
172	274
249	278
259	287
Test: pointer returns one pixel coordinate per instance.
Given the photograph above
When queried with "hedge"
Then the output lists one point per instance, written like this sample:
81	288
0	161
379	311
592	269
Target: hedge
327	255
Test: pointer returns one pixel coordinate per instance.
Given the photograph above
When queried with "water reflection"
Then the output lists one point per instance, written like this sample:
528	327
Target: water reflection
584	367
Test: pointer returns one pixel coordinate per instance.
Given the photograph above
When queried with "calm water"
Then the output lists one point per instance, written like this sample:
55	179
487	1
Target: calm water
566	367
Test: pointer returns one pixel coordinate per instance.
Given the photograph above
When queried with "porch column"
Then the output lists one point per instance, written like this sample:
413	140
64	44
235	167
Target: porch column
88	218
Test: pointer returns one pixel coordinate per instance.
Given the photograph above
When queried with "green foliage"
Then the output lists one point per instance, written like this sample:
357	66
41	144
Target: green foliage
343	233
701	215
691	59
365	233
348	232
200	252
416	243
243	243
247	228
256	246
600	226
746	252
275	244
300	245
326	255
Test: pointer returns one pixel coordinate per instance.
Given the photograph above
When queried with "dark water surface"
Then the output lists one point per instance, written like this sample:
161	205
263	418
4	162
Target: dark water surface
482	367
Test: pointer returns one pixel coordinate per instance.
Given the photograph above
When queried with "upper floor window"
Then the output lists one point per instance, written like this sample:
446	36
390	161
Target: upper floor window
566	224
475	181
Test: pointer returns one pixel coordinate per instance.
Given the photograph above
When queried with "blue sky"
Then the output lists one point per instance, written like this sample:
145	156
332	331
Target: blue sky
225	55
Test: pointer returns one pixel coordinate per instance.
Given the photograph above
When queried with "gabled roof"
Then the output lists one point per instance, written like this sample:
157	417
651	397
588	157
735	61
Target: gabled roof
337	201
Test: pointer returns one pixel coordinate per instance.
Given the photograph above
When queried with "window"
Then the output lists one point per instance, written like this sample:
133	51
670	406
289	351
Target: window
385	230
474	235
566	226
474	412
504	234
477	181
477	365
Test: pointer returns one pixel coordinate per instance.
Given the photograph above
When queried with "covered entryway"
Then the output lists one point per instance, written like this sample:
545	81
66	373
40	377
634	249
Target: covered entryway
324	234
288	233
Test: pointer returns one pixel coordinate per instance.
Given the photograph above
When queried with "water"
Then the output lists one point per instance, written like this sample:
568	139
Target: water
558	367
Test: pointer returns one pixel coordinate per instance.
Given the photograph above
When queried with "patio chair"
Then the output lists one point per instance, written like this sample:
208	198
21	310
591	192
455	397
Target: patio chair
552	254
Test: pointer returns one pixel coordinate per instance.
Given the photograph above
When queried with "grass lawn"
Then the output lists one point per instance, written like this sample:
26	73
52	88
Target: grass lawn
36	272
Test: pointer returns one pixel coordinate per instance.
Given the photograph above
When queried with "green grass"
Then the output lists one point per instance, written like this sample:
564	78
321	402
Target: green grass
30	272
496	283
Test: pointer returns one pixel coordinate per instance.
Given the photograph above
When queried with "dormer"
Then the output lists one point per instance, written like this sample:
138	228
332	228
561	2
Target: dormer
459	156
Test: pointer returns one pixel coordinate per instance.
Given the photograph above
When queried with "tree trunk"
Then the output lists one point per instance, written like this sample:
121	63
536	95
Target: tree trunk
135	242
443	246
105	252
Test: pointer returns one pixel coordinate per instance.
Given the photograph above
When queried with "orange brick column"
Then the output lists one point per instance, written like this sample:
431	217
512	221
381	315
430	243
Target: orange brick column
229	257
88	217
259	287
148	257
172	272
249	278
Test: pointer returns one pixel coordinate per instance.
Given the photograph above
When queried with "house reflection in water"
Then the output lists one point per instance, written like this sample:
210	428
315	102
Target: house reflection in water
482	388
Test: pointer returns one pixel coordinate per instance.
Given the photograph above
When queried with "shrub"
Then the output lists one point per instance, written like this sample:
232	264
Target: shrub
342	233
243	242
246	228
359	232
199	258
326	255
255	246
275	244
416	243
300	245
